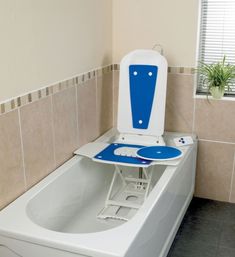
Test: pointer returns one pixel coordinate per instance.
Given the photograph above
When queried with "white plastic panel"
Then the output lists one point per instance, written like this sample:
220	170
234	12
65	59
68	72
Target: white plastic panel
6	252
144	59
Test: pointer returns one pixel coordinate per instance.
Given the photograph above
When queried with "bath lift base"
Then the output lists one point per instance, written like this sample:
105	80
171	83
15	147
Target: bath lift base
126	194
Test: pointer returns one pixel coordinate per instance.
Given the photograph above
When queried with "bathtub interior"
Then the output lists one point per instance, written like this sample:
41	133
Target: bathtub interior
71	203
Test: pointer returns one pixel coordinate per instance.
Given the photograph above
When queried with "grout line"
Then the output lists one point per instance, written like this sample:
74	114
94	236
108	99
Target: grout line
231	185
113	94
22	150
194	114
97	107
53	130
215	141
219	239
76	100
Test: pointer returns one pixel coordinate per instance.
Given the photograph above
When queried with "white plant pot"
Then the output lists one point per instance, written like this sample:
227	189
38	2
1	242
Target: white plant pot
217	92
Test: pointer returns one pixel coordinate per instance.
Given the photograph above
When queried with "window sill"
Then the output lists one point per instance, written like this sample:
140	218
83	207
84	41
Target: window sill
204	96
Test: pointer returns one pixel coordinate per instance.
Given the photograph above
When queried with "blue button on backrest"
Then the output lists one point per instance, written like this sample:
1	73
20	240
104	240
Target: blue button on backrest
143	80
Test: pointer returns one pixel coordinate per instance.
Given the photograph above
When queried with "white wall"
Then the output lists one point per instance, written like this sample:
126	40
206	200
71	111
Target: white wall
142	23
45	41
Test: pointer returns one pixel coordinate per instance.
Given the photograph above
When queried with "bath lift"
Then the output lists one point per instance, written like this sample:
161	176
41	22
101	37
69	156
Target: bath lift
140	143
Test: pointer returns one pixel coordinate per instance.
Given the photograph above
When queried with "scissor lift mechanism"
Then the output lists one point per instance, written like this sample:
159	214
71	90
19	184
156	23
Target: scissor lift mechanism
123	190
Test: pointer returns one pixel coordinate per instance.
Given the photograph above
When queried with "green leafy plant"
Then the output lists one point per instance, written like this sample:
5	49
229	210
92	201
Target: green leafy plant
217	77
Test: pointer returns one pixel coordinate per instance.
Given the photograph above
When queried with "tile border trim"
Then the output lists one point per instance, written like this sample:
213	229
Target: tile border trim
181	70
30	97
19	101
171	70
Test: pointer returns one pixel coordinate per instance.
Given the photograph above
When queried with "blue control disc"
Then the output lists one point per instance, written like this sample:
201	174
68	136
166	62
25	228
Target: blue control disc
159	153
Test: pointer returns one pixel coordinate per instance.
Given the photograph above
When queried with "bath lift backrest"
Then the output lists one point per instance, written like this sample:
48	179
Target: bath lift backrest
142	96
141	112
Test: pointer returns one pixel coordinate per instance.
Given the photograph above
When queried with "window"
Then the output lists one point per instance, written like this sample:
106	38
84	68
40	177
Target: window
217	36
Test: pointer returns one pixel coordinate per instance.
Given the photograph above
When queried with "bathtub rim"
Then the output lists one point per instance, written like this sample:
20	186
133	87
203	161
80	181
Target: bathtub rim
78	243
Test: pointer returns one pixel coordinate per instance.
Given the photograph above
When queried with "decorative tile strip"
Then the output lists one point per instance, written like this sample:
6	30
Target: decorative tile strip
77	80
30	97
116	67
2	108
173	70
181	70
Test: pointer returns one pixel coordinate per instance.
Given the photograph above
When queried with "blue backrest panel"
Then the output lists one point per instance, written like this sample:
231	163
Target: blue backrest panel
143	80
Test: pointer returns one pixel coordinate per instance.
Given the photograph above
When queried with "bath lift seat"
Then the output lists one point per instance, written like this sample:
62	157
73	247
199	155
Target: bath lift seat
141	114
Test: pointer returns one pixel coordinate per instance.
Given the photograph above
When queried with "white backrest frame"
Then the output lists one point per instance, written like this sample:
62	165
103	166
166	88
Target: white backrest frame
157	117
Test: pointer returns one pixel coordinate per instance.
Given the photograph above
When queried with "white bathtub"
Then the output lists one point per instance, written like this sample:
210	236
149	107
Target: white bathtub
57	217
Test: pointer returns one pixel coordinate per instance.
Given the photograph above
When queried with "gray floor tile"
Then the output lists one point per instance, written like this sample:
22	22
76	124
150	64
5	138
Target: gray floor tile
192	249
230	213
225	252
208	230
209	209
194	229
228	235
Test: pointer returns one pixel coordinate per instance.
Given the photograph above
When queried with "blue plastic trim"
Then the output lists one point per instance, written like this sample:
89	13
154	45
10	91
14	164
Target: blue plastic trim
159	152
108	155
143	80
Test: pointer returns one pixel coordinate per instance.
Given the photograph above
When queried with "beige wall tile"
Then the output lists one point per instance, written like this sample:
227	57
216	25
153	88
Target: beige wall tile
36	126
105	102
65	124
115	96
11	164
214	170
179	103
87	112
215	120
116	74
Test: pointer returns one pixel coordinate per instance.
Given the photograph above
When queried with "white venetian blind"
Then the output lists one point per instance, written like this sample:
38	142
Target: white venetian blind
217	35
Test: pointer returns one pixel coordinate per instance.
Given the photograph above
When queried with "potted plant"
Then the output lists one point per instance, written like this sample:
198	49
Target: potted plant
217	77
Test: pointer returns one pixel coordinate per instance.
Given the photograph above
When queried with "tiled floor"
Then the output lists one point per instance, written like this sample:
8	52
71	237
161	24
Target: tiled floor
208	230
